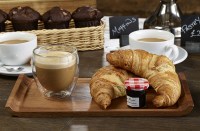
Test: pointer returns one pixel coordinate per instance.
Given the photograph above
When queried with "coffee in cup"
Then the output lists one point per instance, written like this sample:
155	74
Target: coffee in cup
55	70
13	41
158	42
16	48
151	40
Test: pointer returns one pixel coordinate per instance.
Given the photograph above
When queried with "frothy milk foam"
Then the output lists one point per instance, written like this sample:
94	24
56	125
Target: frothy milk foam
55	60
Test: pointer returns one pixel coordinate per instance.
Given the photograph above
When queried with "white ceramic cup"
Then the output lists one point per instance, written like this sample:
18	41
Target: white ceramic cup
17	54
167	47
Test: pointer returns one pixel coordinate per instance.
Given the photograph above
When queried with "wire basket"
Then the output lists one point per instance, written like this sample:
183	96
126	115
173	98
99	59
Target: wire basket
87	38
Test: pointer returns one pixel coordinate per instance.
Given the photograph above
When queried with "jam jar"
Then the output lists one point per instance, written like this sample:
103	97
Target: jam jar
136	92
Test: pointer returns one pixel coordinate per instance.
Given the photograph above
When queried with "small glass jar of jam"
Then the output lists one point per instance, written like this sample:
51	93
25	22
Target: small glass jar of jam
135	91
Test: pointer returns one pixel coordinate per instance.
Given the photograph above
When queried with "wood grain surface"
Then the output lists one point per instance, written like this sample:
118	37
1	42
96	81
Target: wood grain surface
26	101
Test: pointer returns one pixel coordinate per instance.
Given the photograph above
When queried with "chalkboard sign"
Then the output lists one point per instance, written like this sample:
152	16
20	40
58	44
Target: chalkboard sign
122	25
190	29
124	40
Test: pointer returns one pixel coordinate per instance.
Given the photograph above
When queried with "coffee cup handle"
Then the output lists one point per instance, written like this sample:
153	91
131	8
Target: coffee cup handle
172	52
1	64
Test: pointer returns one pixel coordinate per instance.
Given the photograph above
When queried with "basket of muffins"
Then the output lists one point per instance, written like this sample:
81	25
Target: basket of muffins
82	28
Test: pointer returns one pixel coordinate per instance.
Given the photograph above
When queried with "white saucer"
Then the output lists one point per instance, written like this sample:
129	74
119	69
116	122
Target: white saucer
182	54
27	70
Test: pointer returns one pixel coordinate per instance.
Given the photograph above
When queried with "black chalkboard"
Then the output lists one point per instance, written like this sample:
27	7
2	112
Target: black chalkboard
123	40
190	28
122	25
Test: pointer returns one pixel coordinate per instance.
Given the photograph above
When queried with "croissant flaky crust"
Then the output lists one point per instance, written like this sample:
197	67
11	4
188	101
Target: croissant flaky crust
159	71
108	83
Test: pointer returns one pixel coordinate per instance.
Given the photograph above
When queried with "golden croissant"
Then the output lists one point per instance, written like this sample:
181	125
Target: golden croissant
159	71
108	83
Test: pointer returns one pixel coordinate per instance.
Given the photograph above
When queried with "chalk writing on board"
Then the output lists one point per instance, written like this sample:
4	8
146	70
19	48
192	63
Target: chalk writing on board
189	27
123	26
195	33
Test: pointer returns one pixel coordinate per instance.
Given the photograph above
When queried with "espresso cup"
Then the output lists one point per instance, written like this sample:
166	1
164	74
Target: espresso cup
55	70
154	41
16	48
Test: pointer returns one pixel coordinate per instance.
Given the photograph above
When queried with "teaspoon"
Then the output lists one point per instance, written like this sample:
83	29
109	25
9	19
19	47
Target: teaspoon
13	68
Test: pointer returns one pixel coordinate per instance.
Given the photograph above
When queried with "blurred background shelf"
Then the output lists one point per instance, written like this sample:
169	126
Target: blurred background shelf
43	5
140	8
143	8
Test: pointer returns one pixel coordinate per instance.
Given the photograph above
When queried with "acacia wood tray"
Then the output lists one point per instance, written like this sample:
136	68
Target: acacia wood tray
26	101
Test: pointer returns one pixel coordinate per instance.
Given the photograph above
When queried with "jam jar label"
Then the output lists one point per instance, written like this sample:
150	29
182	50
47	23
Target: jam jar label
133	101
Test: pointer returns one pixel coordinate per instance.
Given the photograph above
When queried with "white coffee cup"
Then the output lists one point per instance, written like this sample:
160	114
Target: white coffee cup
18	53
166	47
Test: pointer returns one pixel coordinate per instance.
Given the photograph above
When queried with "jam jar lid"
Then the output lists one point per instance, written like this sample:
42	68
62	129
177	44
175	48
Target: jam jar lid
136	84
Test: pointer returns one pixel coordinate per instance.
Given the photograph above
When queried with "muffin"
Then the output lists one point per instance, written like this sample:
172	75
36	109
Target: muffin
3	18
56	18
86	16
24	18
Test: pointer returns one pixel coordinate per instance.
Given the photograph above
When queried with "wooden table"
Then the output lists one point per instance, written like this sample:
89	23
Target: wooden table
90	61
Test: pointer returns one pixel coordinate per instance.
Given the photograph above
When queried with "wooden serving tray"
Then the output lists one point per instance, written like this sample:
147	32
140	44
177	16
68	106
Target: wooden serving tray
26	101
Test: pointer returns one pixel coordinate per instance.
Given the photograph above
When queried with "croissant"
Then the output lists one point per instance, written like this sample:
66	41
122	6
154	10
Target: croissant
159	71
108	83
